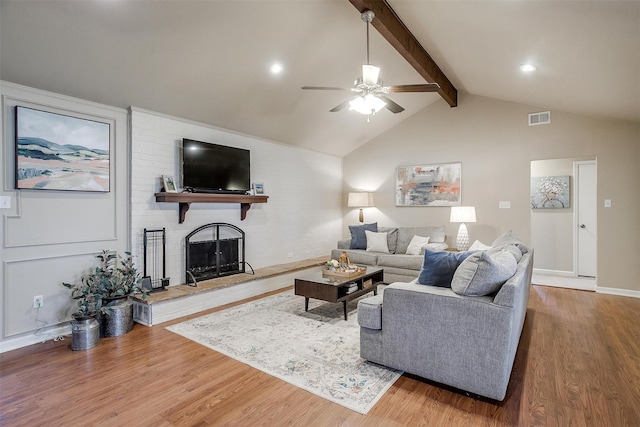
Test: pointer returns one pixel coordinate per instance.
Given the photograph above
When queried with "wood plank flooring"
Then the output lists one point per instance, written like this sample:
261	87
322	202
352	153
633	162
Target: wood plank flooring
578	364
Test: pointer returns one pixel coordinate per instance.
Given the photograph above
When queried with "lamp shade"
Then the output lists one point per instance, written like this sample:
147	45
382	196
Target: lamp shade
360	200
463	214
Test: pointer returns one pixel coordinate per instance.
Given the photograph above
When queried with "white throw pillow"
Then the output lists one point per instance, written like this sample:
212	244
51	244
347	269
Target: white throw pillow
416	244
479	246
376	242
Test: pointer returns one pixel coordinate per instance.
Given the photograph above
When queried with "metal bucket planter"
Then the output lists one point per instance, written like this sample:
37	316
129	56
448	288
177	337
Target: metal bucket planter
118	320
85	333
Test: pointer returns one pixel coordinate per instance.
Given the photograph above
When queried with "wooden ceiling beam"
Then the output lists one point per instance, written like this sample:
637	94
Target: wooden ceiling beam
398	35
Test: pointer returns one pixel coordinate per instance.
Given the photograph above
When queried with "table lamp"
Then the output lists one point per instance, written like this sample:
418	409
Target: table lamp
360	200
463	214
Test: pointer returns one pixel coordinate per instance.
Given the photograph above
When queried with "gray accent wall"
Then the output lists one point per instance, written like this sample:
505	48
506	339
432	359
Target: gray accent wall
495	145
53	236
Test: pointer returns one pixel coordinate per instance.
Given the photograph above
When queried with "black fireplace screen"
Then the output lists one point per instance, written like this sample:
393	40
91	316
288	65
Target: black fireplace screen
214	250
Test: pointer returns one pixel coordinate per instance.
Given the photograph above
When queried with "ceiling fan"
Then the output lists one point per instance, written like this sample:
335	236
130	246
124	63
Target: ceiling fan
369	92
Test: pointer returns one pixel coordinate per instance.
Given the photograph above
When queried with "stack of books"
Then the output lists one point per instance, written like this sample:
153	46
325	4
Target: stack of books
352	287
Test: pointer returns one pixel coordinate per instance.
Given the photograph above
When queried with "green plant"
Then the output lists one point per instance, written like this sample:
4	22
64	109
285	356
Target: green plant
115	276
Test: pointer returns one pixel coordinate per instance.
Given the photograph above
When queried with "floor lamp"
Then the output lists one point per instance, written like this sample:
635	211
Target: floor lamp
360	200
462	214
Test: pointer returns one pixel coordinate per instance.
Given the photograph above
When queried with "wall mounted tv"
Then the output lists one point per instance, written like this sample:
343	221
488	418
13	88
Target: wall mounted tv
212	168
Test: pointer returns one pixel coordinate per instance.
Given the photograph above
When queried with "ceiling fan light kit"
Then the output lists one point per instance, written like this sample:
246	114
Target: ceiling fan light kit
370	94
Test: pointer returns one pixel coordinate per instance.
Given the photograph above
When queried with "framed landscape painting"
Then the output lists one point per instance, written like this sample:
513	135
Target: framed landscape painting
428	185
60	152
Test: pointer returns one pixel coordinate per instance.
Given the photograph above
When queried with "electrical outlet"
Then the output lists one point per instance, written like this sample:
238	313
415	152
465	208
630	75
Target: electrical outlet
38	301
5	202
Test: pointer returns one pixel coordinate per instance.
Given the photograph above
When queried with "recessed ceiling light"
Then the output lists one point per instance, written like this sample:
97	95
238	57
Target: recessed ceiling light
276	68
528	68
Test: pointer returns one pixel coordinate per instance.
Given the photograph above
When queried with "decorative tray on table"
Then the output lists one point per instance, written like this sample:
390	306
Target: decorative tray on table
351	272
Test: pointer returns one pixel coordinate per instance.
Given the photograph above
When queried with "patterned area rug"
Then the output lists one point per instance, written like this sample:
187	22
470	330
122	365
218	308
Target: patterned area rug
317	350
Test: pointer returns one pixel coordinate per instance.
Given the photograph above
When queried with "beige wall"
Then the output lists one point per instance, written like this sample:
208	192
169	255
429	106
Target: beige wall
495	145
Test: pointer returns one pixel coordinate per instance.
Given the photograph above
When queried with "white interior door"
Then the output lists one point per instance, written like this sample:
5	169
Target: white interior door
586	206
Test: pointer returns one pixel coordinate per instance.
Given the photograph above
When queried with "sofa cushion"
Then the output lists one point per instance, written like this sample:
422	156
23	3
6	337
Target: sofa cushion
511	248
416	245
510	238
438	268
376	242
483	273
358	238
392	237
408	262
405	234
479	246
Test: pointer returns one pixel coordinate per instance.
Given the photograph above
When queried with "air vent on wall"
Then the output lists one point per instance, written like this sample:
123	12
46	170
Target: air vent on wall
542	118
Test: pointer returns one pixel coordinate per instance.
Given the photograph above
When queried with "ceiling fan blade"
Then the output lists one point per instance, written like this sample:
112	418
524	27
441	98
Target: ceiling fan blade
339	107
391	106
322	88
429	87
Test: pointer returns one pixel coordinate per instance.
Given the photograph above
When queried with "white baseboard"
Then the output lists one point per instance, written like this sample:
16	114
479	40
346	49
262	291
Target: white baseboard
564	281
561	273
618	291
46	334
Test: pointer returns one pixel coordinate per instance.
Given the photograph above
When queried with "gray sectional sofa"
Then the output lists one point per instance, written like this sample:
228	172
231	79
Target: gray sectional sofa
398	266
467	342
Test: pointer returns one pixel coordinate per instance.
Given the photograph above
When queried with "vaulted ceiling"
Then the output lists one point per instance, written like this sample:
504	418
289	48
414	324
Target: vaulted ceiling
209	61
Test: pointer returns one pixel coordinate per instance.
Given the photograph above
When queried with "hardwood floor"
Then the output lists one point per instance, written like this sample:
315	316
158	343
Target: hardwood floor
578	363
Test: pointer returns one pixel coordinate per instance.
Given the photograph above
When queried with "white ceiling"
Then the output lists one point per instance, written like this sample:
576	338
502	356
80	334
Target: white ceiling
208	60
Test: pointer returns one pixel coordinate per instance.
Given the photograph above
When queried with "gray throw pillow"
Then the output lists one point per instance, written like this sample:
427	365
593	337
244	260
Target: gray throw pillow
392	237
511	238
483	273
358	237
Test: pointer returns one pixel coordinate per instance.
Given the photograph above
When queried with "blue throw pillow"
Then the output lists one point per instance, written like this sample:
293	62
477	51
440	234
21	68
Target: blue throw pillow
439	266
359	237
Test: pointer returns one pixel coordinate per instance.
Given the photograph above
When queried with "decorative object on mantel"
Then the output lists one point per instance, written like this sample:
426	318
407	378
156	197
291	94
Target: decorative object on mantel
258	188
463	214
291	344
50	156
550	192
429	185
185	199
168	184
360	200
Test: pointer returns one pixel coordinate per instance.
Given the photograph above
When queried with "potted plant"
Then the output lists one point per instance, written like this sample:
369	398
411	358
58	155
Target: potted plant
104	291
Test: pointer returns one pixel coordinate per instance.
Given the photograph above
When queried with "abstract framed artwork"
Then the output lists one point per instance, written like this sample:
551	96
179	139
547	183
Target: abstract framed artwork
550	192
429	185
60	152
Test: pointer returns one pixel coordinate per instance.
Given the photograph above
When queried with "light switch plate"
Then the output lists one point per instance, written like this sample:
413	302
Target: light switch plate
607	203
504	204
5	202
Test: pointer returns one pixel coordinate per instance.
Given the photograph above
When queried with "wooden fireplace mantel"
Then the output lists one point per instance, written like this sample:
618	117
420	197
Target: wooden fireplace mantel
185	199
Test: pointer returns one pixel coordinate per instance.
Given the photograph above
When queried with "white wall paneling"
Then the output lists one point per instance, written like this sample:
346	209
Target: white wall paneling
52	236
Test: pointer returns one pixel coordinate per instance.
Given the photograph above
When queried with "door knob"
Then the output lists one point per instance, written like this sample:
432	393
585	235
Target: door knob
583	226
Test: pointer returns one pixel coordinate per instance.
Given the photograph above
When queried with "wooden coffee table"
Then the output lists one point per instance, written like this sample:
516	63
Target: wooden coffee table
334	289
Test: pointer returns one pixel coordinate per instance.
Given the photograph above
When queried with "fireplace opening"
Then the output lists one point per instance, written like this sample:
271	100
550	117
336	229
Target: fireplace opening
214	250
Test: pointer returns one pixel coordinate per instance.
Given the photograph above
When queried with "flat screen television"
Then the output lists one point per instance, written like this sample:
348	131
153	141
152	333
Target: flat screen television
213	168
